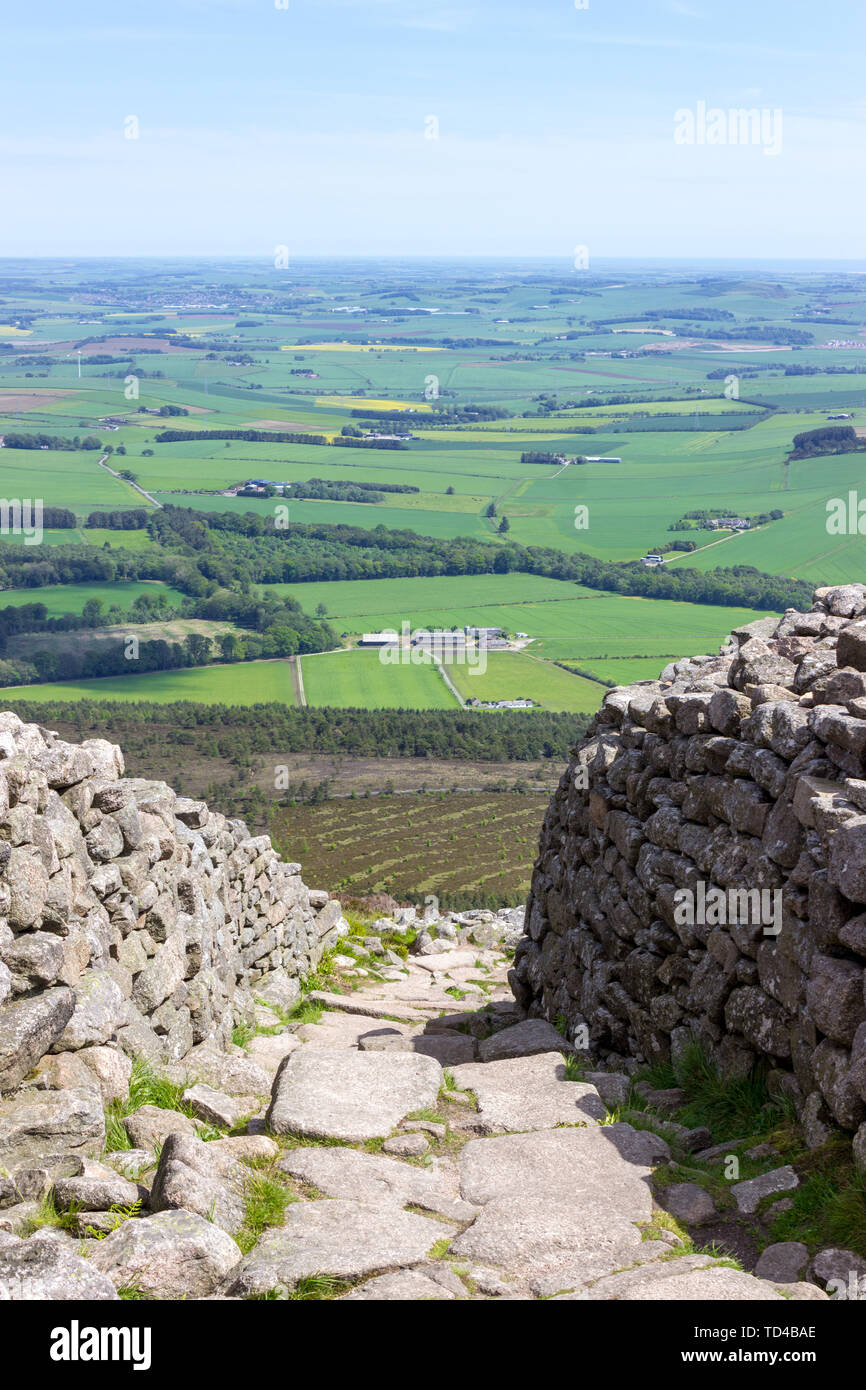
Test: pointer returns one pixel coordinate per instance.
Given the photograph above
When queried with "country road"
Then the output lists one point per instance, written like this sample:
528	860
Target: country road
114	474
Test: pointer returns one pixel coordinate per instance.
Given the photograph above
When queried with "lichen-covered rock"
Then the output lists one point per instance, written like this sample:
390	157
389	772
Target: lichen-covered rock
28	1029
40	1270
173	1254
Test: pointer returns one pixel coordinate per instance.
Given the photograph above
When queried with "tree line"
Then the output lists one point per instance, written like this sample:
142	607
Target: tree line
249	549
236	733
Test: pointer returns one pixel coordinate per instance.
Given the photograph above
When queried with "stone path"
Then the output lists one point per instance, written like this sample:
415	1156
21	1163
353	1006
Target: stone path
435	1147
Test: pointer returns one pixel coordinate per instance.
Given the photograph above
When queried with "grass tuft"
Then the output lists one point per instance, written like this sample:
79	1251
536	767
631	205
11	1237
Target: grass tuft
266	1202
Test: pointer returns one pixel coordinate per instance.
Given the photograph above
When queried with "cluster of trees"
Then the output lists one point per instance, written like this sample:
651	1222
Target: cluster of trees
231	732
757	333
16	440
248	549
59	519
34	617
134	519
32	567
276	437
713	514
336	490
653	315
796	369
829	439
249	436
538	456
439	415
110	658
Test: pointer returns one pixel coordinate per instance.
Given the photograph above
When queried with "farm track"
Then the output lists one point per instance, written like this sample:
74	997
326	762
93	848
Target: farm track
129	483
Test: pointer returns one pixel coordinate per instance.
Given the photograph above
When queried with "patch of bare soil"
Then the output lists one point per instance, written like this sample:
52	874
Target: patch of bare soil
31	400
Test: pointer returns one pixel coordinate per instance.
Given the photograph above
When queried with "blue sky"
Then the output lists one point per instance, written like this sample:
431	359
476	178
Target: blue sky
308	126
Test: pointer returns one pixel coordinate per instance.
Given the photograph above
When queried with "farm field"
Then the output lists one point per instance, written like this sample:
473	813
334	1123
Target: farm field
501	376
359	680
386	602
516	676
245	683
118	540
468	849
74	480
71	598
563	618
623	670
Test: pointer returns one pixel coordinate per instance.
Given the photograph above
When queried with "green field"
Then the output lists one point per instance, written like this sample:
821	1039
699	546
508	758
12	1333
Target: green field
74	480
359	680
631	366
365	605
517	676
71	598
565	620
625	670
246	683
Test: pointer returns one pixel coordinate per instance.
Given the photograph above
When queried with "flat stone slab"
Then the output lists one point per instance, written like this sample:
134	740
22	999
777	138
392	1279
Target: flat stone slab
533	1219
527	1039
214	1107
527	1093
404	1286
528	1233
749	1194
339	1171
446	961
35	1124
350	1095
367	1007
150	1125
337	1030
595	1160
232	1072
683	1280
269	1049
449	1049
347	1239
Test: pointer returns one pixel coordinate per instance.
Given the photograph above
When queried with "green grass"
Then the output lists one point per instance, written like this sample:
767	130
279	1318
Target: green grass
146	1087
47	1215
728	1106
244	683
358	679
74	480
517	675
364	605
71	598
266	1203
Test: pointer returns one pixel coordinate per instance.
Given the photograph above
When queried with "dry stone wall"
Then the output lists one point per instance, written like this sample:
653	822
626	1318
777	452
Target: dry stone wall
131	916
702	867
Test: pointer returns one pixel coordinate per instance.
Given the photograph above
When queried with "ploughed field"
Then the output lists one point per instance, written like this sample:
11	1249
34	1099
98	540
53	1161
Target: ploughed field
469	849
